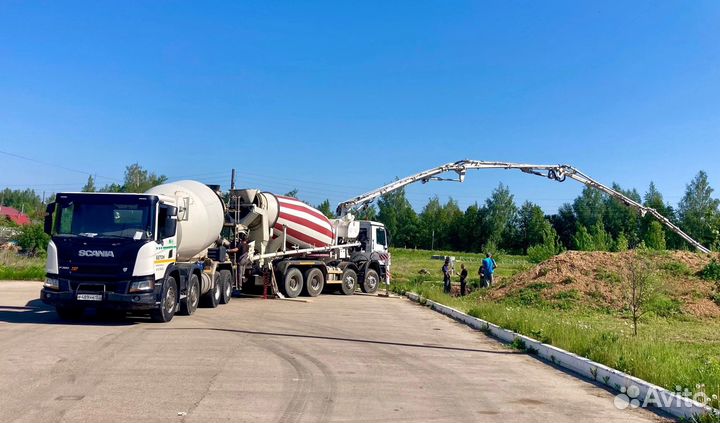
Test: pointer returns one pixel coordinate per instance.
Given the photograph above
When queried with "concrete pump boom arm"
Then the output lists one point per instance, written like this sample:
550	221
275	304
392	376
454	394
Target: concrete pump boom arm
555	172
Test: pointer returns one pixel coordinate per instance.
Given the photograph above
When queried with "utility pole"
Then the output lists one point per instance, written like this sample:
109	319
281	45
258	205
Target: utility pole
432	247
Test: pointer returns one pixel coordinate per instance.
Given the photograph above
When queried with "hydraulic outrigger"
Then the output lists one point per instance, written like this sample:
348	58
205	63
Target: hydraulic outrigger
555	172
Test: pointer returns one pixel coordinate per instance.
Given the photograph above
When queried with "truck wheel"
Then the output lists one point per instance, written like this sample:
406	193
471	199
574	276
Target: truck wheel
371	281
69	312
227	286
168	303
314	282
349	282
293	282
211	299
189	304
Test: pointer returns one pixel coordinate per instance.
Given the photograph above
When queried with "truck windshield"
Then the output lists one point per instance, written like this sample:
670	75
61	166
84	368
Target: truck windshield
104	216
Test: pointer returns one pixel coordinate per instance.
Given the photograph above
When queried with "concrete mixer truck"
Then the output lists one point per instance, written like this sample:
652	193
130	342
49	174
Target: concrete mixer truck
166	250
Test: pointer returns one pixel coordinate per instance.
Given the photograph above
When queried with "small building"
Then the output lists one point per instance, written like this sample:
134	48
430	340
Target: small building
15	215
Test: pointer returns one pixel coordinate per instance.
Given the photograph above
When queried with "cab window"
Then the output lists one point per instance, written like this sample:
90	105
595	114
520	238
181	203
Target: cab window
381	238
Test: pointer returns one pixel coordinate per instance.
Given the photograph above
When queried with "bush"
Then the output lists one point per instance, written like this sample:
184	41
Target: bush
540	253
33	239
664	306
711	272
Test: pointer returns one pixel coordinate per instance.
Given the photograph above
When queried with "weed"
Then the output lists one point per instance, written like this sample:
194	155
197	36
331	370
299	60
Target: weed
608	276
711	272
518	344
540	336
676	268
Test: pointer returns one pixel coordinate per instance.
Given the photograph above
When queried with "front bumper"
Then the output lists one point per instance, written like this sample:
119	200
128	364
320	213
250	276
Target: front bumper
110	300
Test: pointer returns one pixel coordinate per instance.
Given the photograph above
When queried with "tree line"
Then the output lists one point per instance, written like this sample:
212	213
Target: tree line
593	221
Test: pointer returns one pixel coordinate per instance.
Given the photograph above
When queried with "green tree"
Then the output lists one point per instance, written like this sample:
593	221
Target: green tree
698	211
639	286
602	241
325	209
137	180
500	216
400	219
655	236
432	225
589	207
582	240
565	224
621	243
548	247
621	218
473	222
89	185
654	199
531	226
367	213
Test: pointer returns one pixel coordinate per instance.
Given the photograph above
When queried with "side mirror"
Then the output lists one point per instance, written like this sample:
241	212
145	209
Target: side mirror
49	211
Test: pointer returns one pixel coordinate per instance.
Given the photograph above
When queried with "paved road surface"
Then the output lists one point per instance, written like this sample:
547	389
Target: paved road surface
332	358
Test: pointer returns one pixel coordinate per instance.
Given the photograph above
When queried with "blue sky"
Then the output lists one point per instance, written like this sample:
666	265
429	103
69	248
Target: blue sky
337	98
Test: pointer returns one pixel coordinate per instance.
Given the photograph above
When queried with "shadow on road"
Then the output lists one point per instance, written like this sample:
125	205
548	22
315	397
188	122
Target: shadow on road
331	338
37	312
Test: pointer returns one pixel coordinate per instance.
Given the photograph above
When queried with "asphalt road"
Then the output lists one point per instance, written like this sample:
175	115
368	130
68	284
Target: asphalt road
332	358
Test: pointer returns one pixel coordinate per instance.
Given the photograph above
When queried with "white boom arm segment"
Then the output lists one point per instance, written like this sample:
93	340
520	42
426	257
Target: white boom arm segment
555	172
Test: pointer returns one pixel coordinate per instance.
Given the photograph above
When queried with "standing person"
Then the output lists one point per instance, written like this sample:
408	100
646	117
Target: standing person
488	269
241	249
447	272
463	279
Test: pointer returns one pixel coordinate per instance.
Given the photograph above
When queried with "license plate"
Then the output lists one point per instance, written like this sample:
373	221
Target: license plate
89	297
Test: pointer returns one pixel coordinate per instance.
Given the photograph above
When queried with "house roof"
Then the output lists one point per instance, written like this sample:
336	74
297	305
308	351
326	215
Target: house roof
15	215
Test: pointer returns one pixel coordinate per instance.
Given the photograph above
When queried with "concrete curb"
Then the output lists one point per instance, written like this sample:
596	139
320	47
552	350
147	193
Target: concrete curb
667	401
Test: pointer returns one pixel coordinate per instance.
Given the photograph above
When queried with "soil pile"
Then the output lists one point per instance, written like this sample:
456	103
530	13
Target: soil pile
597	279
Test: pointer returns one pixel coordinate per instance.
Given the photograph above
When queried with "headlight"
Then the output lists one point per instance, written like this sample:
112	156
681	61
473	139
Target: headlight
52	283
142	286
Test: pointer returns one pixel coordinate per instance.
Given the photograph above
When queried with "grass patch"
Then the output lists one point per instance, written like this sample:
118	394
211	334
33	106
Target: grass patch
17	267
676	268
608	276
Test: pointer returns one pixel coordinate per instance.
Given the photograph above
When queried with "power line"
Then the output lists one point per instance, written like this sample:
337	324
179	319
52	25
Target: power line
69	169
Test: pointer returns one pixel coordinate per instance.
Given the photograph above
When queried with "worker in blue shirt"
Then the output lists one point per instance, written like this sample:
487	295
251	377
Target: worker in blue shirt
487	270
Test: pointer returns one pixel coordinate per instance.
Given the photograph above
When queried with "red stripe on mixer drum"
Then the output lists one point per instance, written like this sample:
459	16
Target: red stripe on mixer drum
323	230
303	208
293	233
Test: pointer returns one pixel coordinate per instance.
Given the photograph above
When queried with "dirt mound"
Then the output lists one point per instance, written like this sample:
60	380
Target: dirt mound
595	279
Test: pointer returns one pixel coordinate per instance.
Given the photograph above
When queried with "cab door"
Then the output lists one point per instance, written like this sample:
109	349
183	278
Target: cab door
380	239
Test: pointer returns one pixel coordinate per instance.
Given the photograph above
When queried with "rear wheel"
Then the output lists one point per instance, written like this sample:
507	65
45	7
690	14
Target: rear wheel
211	299
189	304
168	302
293	282
371	281
227	286
314	282
69	312
349	282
